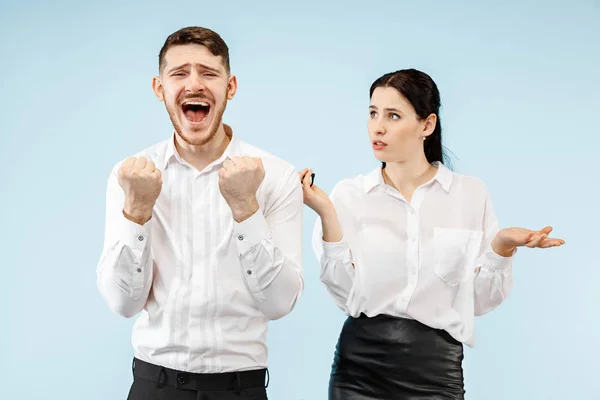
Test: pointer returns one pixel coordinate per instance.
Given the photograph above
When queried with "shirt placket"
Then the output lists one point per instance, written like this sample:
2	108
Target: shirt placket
412	256
199	331
184	294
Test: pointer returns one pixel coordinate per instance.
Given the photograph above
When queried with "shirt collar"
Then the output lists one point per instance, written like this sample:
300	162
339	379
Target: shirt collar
232	149
373	180
443	176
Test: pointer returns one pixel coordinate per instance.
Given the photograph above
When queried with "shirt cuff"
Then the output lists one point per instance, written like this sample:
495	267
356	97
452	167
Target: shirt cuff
250	232
495	262
338	251
135	236
130	269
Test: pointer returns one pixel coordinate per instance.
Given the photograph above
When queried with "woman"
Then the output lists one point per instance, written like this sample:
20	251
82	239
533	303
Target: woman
411	252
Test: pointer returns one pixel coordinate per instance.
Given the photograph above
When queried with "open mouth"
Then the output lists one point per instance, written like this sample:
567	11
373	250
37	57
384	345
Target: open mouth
195	111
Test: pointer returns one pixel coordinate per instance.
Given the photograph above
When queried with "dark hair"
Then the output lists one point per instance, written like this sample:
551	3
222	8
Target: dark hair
422	93
196	35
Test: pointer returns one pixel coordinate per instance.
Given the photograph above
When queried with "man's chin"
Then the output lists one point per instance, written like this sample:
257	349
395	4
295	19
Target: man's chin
197	135
195	139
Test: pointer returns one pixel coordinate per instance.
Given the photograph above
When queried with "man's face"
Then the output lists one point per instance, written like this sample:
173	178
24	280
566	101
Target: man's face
195	87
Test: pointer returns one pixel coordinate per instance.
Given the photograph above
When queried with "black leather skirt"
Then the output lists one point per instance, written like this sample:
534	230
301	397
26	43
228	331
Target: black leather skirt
395	358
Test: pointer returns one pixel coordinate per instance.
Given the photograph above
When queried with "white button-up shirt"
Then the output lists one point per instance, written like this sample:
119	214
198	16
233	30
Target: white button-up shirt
429	259
204	285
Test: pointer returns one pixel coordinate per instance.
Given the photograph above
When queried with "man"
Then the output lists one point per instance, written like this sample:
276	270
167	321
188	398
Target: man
203	238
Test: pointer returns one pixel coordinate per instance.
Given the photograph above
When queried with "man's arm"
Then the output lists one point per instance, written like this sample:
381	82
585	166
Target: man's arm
124	273
269	242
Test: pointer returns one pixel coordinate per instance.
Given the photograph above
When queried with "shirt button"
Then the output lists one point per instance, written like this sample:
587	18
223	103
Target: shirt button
249	272
240	237
139	270
140	238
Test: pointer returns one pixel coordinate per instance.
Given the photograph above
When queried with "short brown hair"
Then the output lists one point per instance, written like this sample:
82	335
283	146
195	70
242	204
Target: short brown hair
196	35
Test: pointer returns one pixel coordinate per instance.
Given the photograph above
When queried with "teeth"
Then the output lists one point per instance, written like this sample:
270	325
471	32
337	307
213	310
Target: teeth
196	103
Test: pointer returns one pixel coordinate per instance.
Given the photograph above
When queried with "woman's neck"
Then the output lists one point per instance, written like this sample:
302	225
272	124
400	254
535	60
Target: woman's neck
407	176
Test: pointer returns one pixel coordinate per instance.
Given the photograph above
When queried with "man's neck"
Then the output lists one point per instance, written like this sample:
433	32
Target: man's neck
202	155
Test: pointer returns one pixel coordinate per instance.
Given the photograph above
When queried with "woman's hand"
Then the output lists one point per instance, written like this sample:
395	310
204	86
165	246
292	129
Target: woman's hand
313	196
508	239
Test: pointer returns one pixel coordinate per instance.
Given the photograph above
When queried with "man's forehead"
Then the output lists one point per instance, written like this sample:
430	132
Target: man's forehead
192	55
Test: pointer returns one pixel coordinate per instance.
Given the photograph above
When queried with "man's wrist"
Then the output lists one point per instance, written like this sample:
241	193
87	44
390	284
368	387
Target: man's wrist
243	210
138	213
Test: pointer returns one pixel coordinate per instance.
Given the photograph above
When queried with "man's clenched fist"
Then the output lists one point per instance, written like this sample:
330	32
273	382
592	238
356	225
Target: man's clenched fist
141	181
239	179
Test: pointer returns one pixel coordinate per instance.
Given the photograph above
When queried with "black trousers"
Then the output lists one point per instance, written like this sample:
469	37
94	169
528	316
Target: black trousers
152	382
395	358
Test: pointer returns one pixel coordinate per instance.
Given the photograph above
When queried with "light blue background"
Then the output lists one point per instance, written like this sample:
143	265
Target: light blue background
520	84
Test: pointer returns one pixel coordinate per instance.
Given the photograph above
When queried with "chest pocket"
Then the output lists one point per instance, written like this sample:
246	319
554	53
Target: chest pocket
456	251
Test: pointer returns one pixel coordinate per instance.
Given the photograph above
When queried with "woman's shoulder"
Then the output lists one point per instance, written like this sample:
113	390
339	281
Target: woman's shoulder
469	182
359	182
354	188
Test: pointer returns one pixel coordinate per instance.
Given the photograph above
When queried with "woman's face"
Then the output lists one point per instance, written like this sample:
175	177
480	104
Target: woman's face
395	130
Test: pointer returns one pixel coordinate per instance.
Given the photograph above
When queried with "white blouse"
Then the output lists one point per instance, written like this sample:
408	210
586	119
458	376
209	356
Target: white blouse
428	260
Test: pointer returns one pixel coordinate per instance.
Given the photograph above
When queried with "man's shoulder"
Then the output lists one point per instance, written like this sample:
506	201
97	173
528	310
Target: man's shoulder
272	163
154	153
